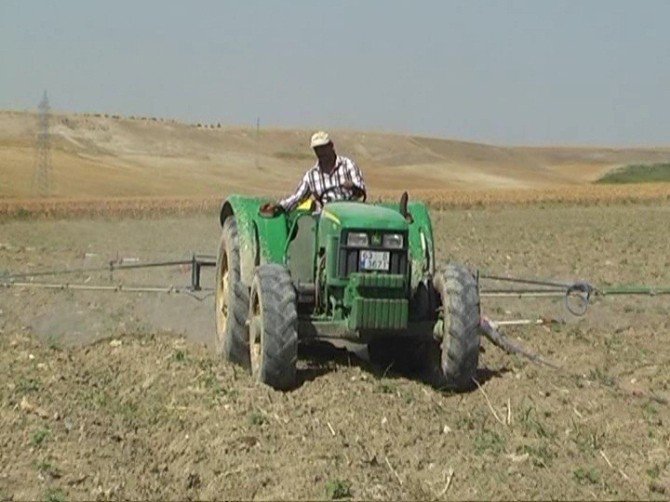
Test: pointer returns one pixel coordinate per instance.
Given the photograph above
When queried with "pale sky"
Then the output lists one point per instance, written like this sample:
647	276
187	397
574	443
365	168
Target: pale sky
505	72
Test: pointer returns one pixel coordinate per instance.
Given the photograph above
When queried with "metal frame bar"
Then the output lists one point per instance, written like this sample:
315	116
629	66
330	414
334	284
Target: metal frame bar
197	262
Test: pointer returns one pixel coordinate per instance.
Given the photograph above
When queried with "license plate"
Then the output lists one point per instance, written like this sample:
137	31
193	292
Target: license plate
374	260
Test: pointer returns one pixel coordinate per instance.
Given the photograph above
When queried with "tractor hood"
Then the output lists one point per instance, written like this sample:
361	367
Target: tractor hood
364	216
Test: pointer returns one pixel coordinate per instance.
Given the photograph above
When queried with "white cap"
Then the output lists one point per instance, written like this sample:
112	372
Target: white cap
319	139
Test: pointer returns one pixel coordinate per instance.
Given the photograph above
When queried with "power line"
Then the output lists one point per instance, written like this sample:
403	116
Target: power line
42	177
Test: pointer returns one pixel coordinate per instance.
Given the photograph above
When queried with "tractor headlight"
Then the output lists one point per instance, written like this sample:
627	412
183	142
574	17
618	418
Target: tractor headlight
393	241
358	239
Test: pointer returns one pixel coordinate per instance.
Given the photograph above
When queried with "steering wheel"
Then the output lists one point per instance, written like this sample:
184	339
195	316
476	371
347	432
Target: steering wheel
358	194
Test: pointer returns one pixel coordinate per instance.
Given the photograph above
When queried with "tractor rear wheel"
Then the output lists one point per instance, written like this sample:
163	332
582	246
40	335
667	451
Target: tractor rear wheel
273	327
459	294
232	299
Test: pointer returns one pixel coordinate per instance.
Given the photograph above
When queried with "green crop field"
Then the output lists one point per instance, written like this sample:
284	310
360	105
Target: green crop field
638	173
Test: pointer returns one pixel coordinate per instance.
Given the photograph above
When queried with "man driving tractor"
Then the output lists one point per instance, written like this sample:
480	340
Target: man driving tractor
333	177
362	273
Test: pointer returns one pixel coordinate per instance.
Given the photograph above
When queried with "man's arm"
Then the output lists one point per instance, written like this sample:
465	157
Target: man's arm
356	177
301	193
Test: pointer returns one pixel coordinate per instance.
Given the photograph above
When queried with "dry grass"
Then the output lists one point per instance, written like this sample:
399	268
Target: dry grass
586	195
112	207
101	157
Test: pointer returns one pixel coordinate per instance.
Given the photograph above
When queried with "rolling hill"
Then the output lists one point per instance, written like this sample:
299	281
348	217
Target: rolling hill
110	156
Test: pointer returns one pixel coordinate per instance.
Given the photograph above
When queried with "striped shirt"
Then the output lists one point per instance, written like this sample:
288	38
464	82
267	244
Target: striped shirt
327	187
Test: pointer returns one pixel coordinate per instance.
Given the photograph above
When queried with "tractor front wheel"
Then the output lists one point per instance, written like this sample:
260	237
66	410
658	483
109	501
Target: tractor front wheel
460	316
273	327
232	299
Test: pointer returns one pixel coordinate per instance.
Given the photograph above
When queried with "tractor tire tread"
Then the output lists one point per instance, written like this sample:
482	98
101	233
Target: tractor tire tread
235	346
280	322
461	337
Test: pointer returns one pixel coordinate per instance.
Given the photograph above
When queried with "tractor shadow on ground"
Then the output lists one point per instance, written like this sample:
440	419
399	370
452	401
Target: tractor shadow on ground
319	359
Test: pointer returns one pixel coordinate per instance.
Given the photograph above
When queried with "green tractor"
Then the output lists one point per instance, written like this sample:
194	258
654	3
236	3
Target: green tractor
357	272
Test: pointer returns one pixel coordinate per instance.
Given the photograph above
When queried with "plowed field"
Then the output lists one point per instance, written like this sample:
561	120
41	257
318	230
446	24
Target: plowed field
111	396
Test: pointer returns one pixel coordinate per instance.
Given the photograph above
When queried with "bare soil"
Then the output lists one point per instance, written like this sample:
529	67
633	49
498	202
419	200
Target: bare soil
111	396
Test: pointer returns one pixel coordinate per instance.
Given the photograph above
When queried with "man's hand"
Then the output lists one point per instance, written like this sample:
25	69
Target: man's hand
269	209
356	190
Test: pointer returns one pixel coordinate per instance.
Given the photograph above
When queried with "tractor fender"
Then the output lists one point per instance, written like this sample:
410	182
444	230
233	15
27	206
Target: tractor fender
261	240
421	244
